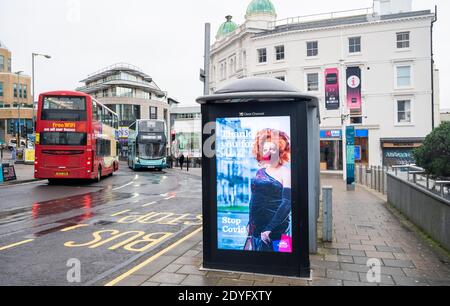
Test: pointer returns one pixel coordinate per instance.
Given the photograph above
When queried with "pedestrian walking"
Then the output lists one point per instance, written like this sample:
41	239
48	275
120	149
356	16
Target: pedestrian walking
181	160
187	163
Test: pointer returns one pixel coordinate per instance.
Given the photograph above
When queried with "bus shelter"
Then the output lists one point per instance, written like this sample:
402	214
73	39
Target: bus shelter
261	185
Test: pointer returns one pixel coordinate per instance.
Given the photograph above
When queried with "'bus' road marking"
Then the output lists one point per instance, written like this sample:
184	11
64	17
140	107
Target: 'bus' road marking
70	228
154	257
120	213
145	205
123	186
15	244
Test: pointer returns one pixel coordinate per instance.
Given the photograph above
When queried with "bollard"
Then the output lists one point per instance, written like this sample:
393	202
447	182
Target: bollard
379	179
365	176
327	228
371	177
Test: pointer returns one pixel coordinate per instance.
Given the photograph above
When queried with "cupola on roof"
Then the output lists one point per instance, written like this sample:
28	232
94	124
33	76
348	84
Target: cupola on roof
227	27
260	7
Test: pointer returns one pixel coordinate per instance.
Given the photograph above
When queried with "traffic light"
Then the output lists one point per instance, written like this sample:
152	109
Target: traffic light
12	128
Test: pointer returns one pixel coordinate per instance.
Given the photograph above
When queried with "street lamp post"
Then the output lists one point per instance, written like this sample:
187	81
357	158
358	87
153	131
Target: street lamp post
33	55
18	108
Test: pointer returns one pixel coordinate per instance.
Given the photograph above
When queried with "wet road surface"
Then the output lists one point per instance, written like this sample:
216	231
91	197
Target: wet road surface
107	227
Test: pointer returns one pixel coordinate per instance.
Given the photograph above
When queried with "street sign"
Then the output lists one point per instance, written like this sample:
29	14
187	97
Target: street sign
350	134
202	75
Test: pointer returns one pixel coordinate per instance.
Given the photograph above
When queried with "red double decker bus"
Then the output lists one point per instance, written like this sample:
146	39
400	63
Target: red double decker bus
75	137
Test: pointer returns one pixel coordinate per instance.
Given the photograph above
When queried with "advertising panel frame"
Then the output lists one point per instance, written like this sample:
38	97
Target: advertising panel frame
354	88
288	264
332	91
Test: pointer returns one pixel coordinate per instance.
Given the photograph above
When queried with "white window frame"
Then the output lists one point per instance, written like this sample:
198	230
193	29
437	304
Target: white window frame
360	45
411	110
276	53
403	41
318	81
411	75
258	56
307	49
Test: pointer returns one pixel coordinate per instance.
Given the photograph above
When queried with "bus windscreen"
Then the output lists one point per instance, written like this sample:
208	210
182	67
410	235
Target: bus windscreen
63	139
149	151
64	108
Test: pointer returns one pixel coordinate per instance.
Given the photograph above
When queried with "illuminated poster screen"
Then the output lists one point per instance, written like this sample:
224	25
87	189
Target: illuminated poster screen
254	184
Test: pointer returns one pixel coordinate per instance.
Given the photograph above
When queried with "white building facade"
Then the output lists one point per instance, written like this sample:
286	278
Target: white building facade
371	68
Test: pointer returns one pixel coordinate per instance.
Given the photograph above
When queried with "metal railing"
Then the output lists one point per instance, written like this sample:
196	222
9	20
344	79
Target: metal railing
375	177
322	16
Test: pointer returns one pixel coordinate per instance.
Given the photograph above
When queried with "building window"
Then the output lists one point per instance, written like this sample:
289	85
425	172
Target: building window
122	92
403	76
2	63
312	48
354	44
312	81
404	111
15	90
25	93
279	51
9	64
105	93
20	91
153	112
262	55
1	89
403	40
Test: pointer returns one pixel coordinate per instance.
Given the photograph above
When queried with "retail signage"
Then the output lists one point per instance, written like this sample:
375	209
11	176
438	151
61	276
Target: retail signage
331	134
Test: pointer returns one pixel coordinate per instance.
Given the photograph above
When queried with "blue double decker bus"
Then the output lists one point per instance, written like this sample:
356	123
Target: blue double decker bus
147	145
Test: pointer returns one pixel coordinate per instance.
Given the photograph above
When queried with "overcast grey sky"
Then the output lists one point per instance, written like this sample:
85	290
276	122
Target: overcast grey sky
163	37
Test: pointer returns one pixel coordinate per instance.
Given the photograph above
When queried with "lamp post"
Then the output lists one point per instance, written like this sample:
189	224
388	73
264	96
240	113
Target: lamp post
33	55
18	107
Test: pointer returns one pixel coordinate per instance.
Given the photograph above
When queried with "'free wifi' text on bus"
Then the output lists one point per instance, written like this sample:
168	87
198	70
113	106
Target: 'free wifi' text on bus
75	137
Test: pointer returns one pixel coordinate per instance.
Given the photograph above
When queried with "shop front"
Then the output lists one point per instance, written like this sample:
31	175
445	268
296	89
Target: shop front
331	155
399	151
362	147
331	150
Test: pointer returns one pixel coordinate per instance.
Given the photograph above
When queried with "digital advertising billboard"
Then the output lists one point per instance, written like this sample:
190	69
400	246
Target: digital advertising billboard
254	209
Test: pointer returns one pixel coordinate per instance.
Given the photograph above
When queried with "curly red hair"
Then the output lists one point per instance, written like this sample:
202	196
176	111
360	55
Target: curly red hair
281	139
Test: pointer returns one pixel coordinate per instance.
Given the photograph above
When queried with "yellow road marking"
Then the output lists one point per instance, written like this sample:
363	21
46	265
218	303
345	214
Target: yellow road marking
15	244
154	257
73	227
145	205
120	213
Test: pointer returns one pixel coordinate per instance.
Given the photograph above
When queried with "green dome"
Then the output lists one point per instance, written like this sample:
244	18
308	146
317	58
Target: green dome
227	27
261	7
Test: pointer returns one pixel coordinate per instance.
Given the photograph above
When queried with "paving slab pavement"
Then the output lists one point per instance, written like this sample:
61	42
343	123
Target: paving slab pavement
364	229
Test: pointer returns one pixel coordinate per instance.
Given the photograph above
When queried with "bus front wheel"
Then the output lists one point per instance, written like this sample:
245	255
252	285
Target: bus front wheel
99	175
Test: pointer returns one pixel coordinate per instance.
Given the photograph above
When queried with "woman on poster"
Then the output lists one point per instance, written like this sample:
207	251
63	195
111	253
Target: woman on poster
270	204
